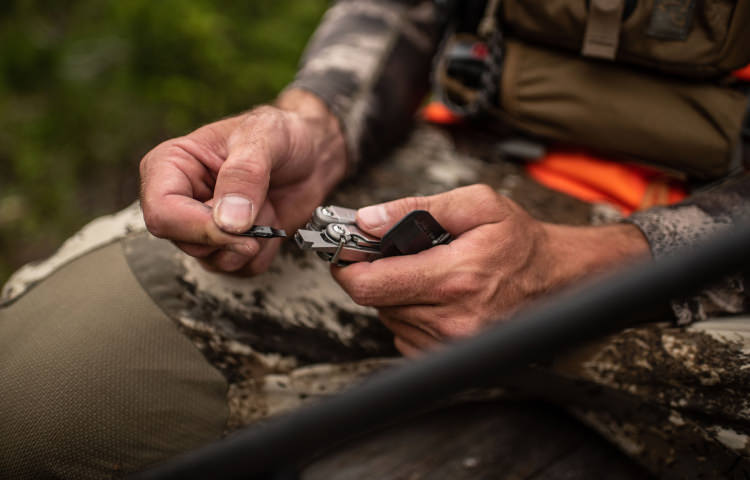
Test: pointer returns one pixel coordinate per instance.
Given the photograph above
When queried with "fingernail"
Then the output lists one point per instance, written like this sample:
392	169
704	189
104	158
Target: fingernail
233	213
372	217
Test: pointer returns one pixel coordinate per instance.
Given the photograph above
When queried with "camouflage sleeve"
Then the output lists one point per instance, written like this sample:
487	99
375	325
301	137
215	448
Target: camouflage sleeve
704	213
369	61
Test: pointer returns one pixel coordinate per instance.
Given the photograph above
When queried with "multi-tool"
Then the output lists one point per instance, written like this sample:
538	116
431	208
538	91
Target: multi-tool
333	234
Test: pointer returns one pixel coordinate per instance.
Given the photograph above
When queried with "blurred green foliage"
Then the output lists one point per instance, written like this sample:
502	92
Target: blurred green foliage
87	87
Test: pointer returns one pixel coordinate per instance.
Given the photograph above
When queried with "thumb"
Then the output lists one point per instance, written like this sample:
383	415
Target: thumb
457	210
240	190
243	179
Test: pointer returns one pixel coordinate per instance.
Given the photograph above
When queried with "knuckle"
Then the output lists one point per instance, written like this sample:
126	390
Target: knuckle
357	292
254	170
360	292
461	285
401	346
143	165
458	328
448	330
451	290
264	111
455	286
265	116
402	207
415	203
483	192
197	251
487	202
212	236
159	151
154	223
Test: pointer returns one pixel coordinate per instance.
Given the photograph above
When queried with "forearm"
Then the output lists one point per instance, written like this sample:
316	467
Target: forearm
369	62
576	252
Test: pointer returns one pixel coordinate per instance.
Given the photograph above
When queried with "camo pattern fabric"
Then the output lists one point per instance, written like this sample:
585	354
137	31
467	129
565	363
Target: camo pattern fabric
703	214
672	398
369	61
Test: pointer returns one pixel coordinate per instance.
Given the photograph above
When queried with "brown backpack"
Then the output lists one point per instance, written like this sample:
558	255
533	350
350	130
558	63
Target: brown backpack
706	38
643	80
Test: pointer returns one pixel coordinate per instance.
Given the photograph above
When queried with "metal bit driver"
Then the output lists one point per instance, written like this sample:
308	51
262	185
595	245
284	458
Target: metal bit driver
262	231
334	236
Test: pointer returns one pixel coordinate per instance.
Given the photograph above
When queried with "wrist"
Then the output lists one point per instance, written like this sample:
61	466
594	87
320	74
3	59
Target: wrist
315	121
577	252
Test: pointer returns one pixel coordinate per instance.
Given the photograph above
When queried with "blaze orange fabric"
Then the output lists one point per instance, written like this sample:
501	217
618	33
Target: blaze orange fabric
436	112
591	179
743	74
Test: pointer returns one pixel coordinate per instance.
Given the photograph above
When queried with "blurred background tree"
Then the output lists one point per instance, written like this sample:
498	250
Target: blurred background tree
88	87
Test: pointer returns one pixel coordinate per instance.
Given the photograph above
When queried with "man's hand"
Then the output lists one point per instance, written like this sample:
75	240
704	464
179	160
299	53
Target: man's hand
271	166
500	259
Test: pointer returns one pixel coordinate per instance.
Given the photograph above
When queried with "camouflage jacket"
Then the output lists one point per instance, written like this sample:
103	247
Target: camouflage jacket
370	61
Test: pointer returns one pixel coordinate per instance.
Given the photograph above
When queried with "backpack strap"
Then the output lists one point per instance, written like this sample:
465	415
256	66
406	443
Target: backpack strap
603	27
488	25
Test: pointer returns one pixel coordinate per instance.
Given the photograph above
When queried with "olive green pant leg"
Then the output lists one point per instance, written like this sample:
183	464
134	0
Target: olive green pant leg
96	380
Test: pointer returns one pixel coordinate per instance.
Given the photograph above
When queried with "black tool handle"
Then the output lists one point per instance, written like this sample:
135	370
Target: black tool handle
417	231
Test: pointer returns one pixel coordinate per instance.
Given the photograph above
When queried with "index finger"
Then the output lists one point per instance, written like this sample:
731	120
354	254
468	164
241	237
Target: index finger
393	281
171	211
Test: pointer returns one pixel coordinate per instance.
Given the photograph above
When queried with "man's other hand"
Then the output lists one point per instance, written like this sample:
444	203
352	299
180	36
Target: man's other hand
500	259
271	166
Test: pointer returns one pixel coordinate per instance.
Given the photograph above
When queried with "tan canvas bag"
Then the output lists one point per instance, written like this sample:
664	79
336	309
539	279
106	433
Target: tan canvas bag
691	127
697	38
640	80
